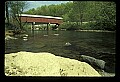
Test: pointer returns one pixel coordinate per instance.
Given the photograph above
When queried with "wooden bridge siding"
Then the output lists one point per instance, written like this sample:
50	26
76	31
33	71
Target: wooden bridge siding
42	20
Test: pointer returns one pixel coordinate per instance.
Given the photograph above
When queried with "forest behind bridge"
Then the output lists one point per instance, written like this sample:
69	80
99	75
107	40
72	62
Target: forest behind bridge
88	15
77	15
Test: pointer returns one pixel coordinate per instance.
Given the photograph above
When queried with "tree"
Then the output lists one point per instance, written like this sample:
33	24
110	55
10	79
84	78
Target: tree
79	7
16	9
102	13
31	11
106	18
6	10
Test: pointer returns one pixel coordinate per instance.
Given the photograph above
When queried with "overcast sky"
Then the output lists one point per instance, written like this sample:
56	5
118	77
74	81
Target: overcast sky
35	4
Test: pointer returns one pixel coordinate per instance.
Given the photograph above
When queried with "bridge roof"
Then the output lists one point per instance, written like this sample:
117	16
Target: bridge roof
41	16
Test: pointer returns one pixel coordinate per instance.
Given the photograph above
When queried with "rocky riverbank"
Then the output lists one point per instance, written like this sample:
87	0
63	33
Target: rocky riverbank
45	64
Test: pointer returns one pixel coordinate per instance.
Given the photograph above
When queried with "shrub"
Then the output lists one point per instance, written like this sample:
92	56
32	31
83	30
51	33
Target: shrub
99	25
89	26
106	25
69	26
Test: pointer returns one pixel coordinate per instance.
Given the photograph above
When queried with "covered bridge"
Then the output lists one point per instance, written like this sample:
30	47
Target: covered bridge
40	19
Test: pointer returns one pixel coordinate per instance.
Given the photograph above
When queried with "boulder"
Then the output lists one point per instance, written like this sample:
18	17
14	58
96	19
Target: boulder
68	44
45	64
93	61
9	37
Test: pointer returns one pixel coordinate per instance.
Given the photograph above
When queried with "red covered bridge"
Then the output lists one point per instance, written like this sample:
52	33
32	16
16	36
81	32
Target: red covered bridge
40	19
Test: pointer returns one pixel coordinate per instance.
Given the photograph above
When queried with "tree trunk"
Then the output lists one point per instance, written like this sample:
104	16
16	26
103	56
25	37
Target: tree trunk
81	17
7	13
20	23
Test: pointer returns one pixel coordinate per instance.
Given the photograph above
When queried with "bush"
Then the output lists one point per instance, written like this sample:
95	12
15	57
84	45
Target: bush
99	25
106	25
10	26
69	26
89	26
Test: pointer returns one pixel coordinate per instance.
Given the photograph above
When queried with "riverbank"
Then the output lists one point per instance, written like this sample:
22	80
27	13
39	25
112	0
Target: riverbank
94	30
12	32
8	33
45	64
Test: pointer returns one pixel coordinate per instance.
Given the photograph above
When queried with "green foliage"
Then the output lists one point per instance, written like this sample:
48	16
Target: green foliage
70	26
89	26
31	11
104	13
79	7
15	8
107	16
92	26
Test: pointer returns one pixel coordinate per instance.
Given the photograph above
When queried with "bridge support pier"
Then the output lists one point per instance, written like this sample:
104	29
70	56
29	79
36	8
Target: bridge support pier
48	26
32	26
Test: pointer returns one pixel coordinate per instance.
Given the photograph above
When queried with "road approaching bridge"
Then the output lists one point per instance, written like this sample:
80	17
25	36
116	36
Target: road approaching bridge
40	19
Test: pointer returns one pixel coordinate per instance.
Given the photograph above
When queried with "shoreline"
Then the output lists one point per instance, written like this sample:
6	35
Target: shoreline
95	31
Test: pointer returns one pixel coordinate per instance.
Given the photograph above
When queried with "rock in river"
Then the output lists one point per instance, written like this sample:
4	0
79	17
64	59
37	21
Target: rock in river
9	37
93	61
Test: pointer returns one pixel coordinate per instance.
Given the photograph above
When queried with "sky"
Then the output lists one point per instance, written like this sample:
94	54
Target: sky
35	4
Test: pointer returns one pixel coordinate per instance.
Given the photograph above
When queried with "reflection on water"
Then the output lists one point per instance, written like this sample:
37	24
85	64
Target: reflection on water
100	45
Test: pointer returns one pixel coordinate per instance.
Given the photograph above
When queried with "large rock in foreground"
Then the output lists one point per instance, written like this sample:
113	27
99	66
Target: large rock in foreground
45	64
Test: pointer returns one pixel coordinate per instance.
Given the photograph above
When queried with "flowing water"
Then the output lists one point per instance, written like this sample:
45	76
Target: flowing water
100	45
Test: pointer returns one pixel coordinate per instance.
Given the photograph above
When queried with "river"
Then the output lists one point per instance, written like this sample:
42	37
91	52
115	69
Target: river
101	45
